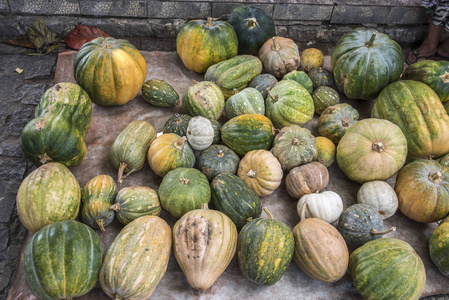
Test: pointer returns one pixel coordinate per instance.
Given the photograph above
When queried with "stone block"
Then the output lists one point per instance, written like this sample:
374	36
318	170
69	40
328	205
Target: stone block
120	27
346	14
304	12
392	3
54	7
164	28
220	9
316	34
11	147
8	197
157	44
110	8
408	16
407	35
4	8
176	9
4	238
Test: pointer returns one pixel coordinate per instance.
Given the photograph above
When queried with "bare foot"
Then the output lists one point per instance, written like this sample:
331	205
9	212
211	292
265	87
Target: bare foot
443	49
423	52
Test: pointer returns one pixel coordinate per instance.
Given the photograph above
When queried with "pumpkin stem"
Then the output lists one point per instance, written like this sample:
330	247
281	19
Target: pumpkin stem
251	23
445	77
115	207
117	297
268	212
374	231
44	158
236	91
275	46
251	174
120	172
100	223
181	141
220	153
370	43
295	141
204	205
435	177
303	212
273	97
345	122
184	180
378	146
209	22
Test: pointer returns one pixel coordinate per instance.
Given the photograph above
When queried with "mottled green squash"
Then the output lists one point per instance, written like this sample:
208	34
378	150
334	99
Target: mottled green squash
158	92
439	247
302	78
218	159
444	161
323	97
217	131
335	120
321	77
177	124
311	58
263	83
247	101
205	99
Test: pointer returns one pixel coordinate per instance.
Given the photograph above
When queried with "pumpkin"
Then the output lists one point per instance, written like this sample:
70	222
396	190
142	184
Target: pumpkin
130	147
380	195
321	77
170	151
200	133
134	202
56	134
263	83
99	68
183	190
253	27
97	197
288	103
372	149
307	179
335	120
387	269
417	110
248	132
326	206
320	250
302	78
438	247
265	249
234	73
47	195
217	131
217	159
261	171
311	58
177	124
446	106
279	56
325	150
158	92
422	187
142	248
365	61
62	260
444	161
294	146
204	242
323	97
247	101
234	198
204	99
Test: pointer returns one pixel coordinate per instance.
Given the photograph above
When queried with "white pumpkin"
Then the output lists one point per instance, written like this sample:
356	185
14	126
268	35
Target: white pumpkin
380	195
326	206
200	133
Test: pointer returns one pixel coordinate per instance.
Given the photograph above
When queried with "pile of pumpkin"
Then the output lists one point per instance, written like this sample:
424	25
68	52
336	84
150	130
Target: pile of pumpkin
239	162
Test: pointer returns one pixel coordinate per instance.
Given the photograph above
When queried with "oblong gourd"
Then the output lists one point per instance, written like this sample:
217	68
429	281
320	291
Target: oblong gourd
204	99
159	93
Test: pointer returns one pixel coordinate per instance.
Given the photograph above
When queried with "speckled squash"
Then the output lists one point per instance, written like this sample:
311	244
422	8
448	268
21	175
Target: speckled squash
204	99
326	206
279	56
158	92
177	124
294	146
218	159
62	260
335	120
380	195
265	249
247	101
204	243
97	197
170	151
200	133
323	97
261	171
217	131
99	68
302	78
311	58
321	77
444	161
325	150
439	247
142	248
47	195
130	147
387	269
307	179
446	106
263	83
134	202
422	187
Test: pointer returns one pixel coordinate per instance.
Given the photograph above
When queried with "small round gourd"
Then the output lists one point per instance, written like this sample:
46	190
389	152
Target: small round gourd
321	77
325	150
247	101
204	99
279	56
263	83
311	58
326	206
335	120
200	133
323	97
380	195
302	78
307	179
218	159
158	92
177	124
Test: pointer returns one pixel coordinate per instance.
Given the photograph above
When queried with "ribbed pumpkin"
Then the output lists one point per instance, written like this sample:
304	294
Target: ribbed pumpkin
325	150
204	242
321	77
158	92
183	190
294	146
335	120
234	198
170	151
365	61
302	78
112	71
217	131
326	206
311	58
202	43
417	110
288	103
439	247
323	97
49	194
200	133
422	187
307	179
247	101
444	161
97	197
263	83
134	202
261	171
61	119
320	250
218	159
380	195
387	269
248	132
265	249
372	149
137	259
177	124
62	260
279	56
130	147
205	99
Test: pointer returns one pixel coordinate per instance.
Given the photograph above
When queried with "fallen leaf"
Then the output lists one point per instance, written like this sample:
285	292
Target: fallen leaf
39	34
18	70
83	34
22	41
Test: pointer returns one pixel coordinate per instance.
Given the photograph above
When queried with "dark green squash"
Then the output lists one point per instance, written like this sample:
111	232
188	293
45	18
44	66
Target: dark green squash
335	120
218	159
217	131
159	93
247	101
302	78
323	97
203	99
177	124
263	83
321	77
439	247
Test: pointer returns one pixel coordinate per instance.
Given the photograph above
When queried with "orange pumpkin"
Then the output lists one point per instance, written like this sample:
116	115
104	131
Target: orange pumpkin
311	58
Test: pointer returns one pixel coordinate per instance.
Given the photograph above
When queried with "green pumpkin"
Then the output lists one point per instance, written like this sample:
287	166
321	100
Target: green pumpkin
177	124
183	190
335	120
365	61
130	147
157	92
387	269
62	260
218	159
217	131
56	134
439	247
323	97
444	161
263	83
265	249
235	199
203	99
417	110
97	197
302	78
321	77
446	106
288	103
247	101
